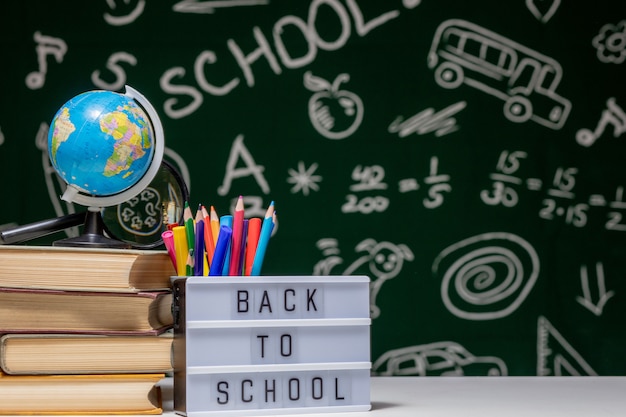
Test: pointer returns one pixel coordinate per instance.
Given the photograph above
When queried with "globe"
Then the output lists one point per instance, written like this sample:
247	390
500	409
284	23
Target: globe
107	147
101	142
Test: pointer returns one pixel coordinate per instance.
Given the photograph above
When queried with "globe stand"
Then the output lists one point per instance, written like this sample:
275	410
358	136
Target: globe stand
93	234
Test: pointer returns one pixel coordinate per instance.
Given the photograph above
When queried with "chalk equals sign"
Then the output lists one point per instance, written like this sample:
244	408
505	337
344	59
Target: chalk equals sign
428	121
598	200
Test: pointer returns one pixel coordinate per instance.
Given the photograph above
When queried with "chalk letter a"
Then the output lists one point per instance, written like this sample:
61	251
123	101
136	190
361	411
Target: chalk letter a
237	151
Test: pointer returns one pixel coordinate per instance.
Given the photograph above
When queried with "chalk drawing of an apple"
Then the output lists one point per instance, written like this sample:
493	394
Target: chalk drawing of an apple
334	113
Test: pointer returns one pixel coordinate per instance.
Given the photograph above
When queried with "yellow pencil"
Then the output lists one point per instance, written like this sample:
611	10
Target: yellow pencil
181	249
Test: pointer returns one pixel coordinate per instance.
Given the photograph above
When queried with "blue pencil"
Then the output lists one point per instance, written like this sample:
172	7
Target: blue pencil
266	232
227	220
221	247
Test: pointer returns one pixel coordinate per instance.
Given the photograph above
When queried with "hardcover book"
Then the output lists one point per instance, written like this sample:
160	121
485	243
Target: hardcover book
49	311
80	394
46	354
86	269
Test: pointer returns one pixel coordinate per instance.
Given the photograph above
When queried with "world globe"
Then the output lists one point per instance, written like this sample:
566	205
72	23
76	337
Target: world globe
104	145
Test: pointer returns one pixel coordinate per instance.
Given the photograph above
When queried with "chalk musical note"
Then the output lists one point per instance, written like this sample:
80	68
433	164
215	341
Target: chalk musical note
46	45
613	115
543	10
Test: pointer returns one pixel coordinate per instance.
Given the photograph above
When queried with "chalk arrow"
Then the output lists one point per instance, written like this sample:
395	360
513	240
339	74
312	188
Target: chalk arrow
603	296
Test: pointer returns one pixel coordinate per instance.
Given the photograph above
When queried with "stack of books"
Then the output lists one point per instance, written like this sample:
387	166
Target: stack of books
84	331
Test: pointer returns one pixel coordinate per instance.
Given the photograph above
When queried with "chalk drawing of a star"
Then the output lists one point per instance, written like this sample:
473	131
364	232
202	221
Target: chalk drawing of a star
303	179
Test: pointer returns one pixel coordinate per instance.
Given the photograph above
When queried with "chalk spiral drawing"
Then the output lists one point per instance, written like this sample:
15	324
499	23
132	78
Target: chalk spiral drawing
555	356
383	259
437	359
487	276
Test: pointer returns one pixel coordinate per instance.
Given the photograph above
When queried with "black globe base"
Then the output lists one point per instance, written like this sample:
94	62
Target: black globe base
93	235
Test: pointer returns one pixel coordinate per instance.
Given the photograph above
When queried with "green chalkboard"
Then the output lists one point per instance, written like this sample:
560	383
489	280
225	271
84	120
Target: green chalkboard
467	156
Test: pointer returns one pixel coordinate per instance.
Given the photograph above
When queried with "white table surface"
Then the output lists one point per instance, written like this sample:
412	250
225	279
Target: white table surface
486	397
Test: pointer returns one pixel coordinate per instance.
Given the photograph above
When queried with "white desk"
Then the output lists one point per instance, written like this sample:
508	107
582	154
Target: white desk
486	397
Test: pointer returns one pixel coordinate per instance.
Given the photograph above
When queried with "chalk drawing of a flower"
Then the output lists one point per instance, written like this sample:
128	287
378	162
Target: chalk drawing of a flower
610	43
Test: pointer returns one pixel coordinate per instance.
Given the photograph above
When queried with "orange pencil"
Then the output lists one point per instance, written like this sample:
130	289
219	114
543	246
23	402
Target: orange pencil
254	230
234	267
215	224
209	243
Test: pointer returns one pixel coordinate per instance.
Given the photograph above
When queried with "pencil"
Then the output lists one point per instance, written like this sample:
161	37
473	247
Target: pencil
215	224
189	228
198	265
235	252
209	243
242	258
264	237
180	246
254	229
227	220
168	240
221	247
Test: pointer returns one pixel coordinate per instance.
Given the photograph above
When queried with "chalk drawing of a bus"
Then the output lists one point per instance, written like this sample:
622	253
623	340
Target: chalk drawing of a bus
465	53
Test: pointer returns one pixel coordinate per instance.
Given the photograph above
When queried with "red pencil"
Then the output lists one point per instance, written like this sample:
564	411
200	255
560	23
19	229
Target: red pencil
234	268
254	230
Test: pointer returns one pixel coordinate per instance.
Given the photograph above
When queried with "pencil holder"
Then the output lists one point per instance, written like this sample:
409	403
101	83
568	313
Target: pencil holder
247	346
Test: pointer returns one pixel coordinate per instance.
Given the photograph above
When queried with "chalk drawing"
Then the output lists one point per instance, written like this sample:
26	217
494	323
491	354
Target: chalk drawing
603	295
543	10
334	113
239	151
304	179
46	45
209	7
465	53
125	13
613	115
428	121
384	261
113	66
610	43
487	276
555	356
437	359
